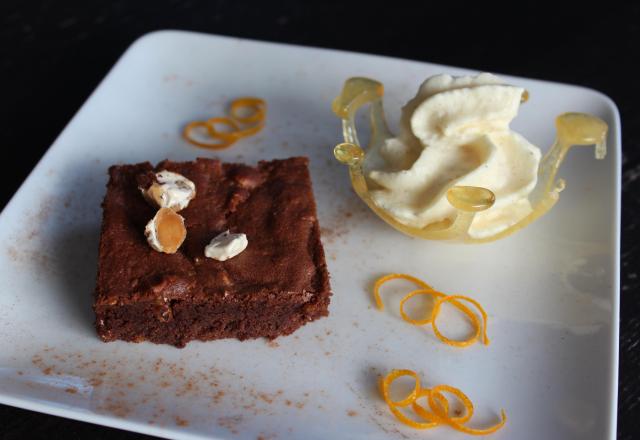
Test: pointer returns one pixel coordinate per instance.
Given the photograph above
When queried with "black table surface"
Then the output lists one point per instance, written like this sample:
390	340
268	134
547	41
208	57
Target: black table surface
53	54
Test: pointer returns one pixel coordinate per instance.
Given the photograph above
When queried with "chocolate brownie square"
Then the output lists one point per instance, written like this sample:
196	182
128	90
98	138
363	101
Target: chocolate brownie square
277	284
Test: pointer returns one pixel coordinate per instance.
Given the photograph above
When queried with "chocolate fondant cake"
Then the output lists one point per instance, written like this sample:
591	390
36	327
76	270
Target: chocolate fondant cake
277	284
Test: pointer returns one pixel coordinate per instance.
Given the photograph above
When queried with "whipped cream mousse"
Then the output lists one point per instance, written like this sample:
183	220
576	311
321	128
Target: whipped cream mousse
455	132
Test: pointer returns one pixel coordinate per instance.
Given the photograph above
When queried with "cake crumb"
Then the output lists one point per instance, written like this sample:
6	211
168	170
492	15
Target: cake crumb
230	423
218	396
181	422
352	413
266	397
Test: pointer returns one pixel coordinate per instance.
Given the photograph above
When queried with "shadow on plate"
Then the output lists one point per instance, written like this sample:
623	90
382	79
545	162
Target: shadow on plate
73	231
76	268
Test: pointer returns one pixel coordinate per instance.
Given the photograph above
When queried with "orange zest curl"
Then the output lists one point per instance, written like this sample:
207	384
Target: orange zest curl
256	104
410	399
219	145
408	296
254	122
439	406
394	276
232	135
409	422
474	319
388	380
480	328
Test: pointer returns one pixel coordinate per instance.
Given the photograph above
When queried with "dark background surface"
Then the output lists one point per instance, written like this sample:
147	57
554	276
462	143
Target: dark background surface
53	54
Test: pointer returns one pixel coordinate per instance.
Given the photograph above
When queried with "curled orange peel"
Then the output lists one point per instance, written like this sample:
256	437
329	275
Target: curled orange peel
236	131
410	422
234	121
410	399
258	106
410	295
390	378
437	399
394	276
456	298
428	414
425	413
439	406
480	329
231	135
188	129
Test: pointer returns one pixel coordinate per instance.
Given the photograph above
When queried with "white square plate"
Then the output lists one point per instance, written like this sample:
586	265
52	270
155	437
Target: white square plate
551	290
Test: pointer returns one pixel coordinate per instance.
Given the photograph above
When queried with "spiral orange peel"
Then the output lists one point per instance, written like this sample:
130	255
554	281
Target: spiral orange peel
480	329
410	399
474	319
410	295
390	378
439	407
187	134
394	276
224	139
258	106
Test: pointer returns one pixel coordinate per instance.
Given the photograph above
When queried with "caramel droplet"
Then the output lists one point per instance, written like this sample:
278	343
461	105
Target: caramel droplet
348	154
583	129
471	198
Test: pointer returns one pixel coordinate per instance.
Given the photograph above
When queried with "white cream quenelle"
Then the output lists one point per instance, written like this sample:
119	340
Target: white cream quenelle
455	132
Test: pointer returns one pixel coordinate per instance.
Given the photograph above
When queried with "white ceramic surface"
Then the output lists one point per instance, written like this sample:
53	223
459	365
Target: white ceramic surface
551	290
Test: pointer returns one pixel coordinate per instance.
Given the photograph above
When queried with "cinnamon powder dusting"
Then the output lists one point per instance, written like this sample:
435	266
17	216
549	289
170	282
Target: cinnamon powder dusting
128	395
